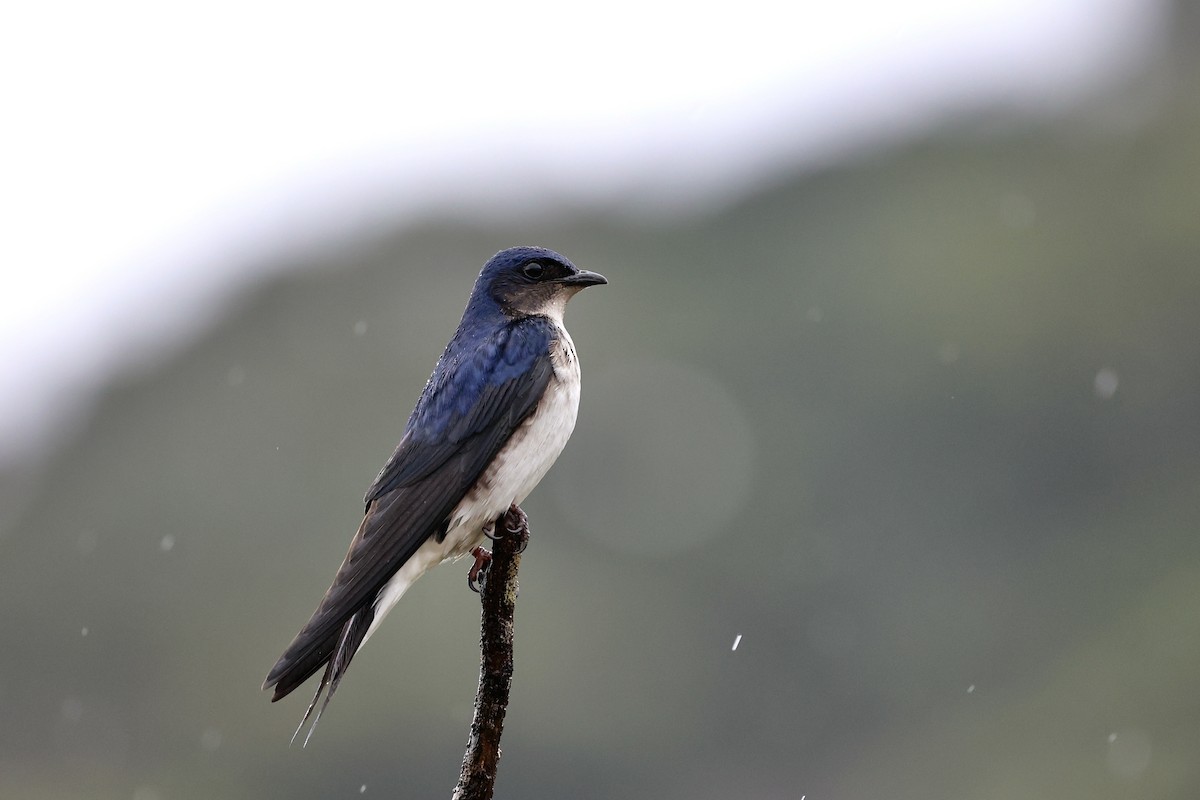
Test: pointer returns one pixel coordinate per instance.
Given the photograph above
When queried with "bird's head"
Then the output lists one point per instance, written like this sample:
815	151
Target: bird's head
529	281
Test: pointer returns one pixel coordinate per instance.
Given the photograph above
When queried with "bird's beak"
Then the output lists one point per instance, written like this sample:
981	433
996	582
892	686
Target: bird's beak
584	278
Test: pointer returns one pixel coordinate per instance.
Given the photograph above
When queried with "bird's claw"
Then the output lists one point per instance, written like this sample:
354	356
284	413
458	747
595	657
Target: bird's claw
517	524
515	520
522	535
477	574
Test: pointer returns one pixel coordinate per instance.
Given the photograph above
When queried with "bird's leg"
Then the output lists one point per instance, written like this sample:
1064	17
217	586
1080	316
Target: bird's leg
516	524
478	571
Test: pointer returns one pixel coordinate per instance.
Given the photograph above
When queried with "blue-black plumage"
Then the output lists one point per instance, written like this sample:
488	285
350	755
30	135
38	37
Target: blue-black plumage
493	417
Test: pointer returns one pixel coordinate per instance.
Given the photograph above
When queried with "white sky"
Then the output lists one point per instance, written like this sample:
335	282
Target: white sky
148	142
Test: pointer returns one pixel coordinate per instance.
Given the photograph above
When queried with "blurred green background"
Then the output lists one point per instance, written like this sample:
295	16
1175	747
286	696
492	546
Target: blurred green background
923	428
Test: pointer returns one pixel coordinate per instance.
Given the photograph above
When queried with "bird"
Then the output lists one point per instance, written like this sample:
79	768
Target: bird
493	417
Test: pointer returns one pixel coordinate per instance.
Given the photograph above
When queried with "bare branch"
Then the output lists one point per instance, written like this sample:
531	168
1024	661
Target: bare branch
498	597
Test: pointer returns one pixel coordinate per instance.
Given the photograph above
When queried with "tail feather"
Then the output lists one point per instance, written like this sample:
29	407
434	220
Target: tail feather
287	675
337	661
312	649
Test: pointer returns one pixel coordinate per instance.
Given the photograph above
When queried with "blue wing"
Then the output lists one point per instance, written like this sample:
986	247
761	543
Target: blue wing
479	393
487	392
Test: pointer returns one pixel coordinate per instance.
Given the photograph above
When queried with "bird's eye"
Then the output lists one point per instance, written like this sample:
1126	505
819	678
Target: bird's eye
534	270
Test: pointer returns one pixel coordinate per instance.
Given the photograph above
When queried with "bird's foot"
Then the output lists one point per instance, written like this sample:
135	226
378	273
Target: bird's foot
515	524
477	574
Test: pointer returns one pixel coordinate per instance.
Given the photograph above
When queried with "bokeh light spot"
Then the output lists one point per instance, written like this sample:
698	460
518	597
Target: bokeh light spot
669	461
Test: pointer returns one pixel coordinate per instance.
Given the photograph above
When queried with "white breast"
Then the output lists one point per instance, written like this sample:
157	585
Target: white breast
514	472
529	453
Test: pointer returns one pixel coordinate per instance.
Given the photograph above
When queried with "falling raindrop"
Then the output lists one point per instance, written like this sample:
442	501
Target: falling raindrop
167	543
1106	383
1129	754
737	640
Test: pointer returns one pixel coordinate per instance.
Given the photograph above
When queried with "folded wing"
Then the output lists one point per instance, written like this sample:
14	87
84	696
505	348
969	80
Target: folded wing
478	395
